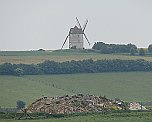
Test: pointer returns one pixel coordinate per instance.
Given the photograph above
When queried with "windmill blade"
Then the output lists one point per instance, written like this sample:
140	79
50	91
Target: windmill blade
86	38
78	23
85	24
65	41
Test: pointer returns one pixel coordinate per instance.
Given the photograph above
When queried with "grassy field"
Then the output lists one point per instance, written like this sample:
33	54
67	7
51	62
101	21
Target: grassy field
115	117
129	86
29	57
17	88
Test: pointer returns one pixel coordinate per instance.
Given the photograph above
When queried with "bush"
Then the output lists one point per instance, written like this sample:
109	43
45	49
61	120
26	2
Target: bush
70	67
150	48
41	50
133	51
20	104
141	52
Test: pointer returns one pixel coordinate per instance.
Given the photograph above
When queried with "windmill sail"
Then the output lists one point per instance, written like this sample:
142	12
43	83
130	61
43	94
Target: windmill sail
65	41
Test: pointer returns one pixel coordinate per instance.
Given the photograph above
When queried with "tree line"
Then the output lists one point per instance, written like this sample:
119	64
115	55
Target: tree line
70	67
120	48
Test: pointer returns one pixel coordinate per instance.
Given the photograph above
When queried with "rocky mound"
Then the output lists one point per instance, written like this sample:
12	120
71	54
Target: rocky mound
76	103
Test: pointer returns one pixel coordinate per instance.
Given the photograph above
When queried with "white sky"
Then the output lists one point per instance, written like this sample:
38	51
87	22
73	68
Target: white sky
35	24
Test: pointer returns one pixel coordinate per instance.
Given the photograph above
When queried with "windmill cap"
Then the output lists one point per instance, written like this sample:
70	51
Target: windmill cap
76	30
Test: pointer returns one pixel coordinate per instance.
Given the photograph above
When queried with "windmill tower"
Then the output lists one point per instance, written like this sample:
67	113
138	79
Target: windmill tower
76	36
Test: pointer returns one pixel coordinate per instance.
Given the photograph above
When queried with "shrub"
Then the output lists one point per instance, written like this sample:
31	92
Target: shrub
20	104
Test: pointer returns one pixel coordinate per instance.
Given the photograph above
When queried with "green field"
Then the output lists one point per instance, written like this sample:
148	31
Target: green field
129	86
115	117
29	57
17	88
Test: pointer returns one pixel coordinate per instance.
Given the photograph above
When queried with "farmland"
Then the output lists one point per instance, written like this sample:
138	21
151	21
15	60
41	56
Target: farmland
34	57
113	117
18	88
129	86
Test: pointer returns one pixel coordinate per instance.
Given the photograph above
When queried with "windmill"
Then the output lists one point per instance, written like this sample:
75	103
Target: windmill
76	36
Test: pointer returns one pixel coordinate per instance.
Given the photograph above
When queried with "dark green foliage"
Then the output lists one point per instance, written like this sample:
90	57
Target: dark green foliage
133	51
141	52
28	69
20	104
49	67
150	48
68	67
41	50
7	69
113	48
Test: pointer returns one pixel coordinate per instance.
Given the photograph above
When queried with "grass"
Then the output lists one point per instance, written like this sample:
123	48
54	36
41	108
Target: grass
115	117
129	86
29	57
17	88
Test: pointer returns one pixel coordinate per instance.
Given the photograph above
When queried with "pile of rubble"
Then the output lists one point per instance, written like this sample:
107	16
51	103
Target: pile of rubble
136	106
75	103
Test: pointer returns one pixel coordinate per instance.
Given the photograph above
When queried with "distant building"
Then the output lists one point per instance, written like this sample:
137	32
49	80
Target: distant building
76	38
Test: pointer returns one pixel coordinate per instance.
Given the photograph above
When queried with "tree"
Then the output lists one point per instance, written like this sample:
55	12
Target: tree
132	51
7	69
113	48
41	50
49	67
98	45
129	46
150	48
141	52
20	104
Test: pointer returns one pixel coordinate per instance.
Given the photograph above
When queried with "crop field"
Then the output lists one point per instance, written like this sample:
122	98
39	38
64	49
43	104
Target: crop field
115	117
129	86
34	57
